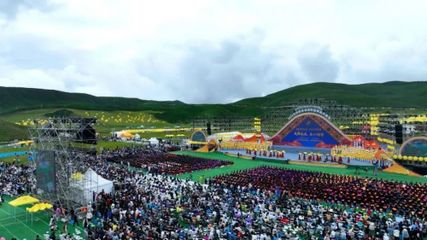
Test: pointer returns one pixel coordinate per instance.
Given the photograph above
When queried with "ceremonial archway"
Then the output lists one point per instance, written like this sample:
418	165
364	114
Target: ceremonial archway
310	130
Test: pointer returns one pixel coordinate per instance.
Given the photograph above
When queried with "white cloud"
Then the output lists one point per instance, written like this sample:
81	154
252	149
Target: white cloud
208	50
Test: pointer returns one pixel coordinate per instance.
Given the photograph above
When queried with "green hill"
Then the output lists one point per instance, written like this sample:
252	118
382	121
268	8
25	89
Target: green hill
23	104
18	99
389	94
10	131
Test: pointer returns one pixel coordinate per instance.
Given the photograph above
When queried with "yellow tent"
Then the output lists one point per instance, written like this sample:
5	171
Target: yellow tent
126	134
77	176
24	200
39	207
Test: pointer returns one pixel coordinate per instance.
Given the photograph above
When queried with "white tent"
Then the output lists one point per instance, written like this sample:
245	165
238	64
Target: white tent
91	182
154	141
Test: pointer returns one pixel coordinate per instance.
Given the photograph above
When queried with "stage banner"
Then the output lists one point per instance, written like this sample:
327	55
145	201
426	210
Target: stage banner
309	134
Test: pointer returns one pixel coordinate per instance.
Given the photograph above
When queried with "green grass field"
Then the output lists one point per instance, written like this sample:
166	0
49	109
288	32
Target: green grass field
14	149
243	164
19	159
15	222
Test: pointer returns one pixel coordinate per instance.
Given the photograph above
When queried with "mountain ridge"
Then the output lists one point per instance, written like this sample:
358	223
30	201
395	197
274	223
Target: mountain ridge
394	94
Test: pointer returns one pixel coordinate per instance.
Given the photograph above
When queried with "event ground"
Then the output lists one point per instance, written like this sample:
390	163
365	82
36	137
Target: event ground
23	228
16	223
242	164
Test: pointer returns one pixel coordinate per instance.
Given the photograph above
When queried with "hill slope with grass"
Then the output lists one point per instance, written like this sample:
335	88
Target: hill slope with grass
389	94
10	131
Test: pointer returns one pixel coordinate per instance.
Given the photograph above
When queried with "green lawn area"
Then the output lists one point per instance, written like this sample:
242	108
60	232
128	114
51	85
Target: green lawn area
108	145
22	159
242	164
22	227
14	149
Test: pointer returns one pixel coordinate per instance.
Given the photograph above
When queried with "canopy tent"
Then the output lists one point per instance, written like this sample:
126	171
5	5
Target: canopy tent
125	135
260	138
24	200
21	201
78	176
90	183
153	141
239	138
39	207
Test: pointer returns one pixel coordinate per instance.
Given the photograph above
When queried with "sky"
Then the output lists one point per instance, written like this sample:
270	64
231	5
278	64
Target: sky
208	51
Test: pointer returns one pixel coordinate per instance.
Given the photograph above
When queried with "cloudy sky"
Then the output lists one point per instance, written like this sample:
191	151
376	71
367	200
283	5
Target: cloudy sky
203	51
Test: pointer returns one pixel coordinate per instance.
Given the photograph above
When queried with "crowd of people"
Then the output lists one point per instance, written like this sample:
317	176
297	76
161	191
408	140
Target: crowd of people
262	203
155	161
373	194
16	179
156	206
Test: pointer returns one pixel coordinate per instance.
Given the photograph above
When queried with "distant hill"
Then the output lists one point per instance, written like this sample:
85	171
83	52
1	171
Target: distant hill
389	94
17	99
10	131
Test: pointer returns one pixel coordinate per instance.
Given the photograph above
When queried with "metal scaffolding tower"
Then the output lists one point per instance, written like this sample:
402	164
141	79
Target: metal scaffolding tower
56	158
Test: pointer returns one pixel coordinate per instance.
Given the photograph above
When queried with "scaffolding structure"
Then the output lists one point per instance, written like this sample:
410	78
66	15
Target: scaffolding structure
57	143
350	120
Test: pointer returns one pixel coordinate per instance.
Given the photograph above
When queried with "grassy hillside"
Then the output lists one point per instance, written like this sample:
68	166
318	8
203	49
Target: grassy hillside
20	99
16	99
21	105
10	131
106	120
390	94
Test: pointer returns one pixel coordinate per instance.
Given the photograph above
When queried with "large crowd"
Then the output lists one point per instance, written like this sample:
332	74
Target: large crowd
155	161
155	206
16	179
374	194
263	203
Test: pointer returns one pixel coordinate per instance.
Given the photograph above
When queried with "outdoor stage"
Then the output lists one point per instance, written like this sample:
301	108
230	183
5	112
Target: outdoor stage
296	155
308	137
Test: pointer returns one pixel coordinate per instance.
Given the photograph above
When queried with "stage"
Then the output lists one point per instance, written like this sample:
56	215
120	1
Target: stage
296	154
